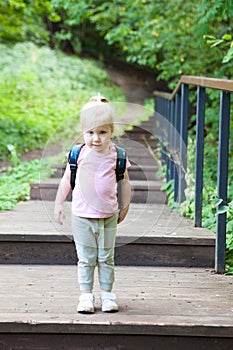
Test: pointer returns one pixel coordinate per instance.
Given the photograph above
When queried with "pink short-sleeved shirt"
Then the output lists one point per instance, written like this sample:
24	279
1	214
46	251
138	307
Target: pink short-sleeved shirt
95	192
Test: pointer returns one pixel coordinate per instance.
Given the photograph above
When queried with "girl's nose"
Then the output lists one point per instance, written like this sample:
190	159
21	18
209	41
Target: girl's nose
96	137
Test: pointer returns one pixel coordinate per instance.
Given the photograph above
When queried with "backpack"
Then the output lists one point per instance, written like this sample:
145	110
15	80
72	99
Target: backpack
74	154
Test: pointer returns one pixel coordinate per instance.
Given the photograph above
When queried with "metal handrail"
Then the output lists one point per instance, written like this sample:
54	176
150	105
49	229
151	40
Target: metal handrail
172	129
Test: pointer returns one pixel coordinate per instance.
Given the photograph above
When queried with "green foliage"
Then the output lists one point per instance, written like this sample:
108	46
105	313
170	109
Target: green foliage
164	36
42	92
225	41
222	11
209	211
22	20
14	182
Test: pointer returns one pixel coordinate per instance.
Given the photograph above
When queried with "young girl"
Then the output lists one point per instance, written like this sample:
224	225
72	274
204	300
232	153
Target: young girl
95	211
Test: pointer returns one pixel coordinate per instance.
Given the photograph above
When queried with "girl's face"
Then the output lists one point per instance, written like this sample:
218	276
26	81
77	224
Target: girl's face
98	138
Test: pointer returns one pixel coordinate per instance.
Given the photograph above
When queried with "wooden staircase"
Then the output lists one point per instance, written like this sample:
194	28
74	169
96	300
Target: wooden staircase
140	149
167	294
152	235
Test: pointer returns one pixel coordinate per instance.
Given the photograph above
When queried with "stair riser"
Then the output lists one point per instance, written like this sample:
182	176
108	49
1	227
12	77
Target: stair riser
135	156
131	254
141	175
139	138
110	340
140	130
140	150
142	161
138	196
150	197
134	174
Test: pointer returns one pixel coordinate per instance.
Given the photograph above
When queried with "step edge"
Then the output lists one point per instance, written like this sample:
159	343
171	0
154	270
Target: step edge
120	240
118	328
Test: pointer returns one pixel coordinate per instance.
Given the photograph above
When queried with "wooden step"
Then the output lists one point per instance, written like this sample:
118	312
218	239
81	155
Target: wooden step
159	308
147	192
150	235
143	191
132	146
140	138
144	128
148	125
146	172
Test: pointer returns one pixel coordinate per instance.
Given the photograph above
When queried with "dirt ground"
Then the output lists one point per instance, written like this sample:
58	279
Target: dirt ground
136	87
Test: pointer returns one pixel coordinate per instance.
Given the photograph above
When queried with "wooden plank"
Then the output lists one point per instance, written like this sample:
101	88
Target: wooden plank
153	301
161	237
45	252
151	220
110	341
142	191
137	184
213	83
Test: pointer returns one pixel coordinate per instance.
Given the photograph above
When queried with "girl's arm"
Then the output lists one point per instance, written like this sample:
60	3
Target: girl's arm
125	197
62	192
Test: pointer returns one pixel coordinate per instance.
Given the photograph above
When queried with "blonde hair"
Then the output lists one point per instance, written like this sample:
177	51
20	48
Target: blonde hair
96	112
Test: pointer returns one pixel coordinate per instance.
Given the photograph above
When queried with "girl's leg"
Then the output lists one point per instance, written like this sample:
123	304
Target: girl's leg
106	245
86	246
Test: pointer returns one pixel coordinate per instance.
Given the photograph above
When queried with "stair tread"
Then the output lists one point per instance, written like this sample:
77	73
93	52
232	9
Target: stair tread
133	166
152	301
148	223
144	184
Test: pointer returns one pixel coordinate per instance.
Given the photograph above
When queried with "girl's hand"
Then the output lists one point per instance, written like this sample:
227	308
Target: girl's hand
122	214
59	214
125	194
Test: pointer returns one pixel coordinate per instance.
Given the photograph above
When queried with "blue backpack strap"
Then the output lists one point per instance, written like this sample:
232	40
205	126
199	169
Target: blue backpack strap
72	159
121	163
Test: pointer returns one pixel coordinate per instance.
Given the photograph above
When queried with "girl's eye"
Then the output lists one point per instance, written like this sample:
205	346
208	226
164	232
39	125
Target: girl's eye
90	132
102	132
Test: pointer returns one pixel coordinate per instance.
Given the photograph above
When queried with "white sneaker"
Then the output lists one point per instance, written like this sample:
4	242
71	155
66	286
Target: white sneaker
86	303
108	301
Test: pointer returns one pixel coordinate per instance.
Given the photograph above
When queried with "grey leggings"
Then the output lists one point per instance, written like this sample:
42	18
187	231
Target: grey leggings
95	242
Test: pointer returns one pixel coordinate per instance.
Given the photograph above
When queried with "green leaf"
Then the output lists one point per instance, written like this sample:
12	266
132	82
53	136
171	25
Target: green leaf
217	42
222	209
209	37
227	37
229	56
217	201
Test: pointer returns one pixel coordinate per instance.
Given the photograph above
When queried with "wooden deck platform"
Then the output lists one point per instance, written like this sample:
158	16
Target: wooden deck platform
171	308
151	234
166	300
